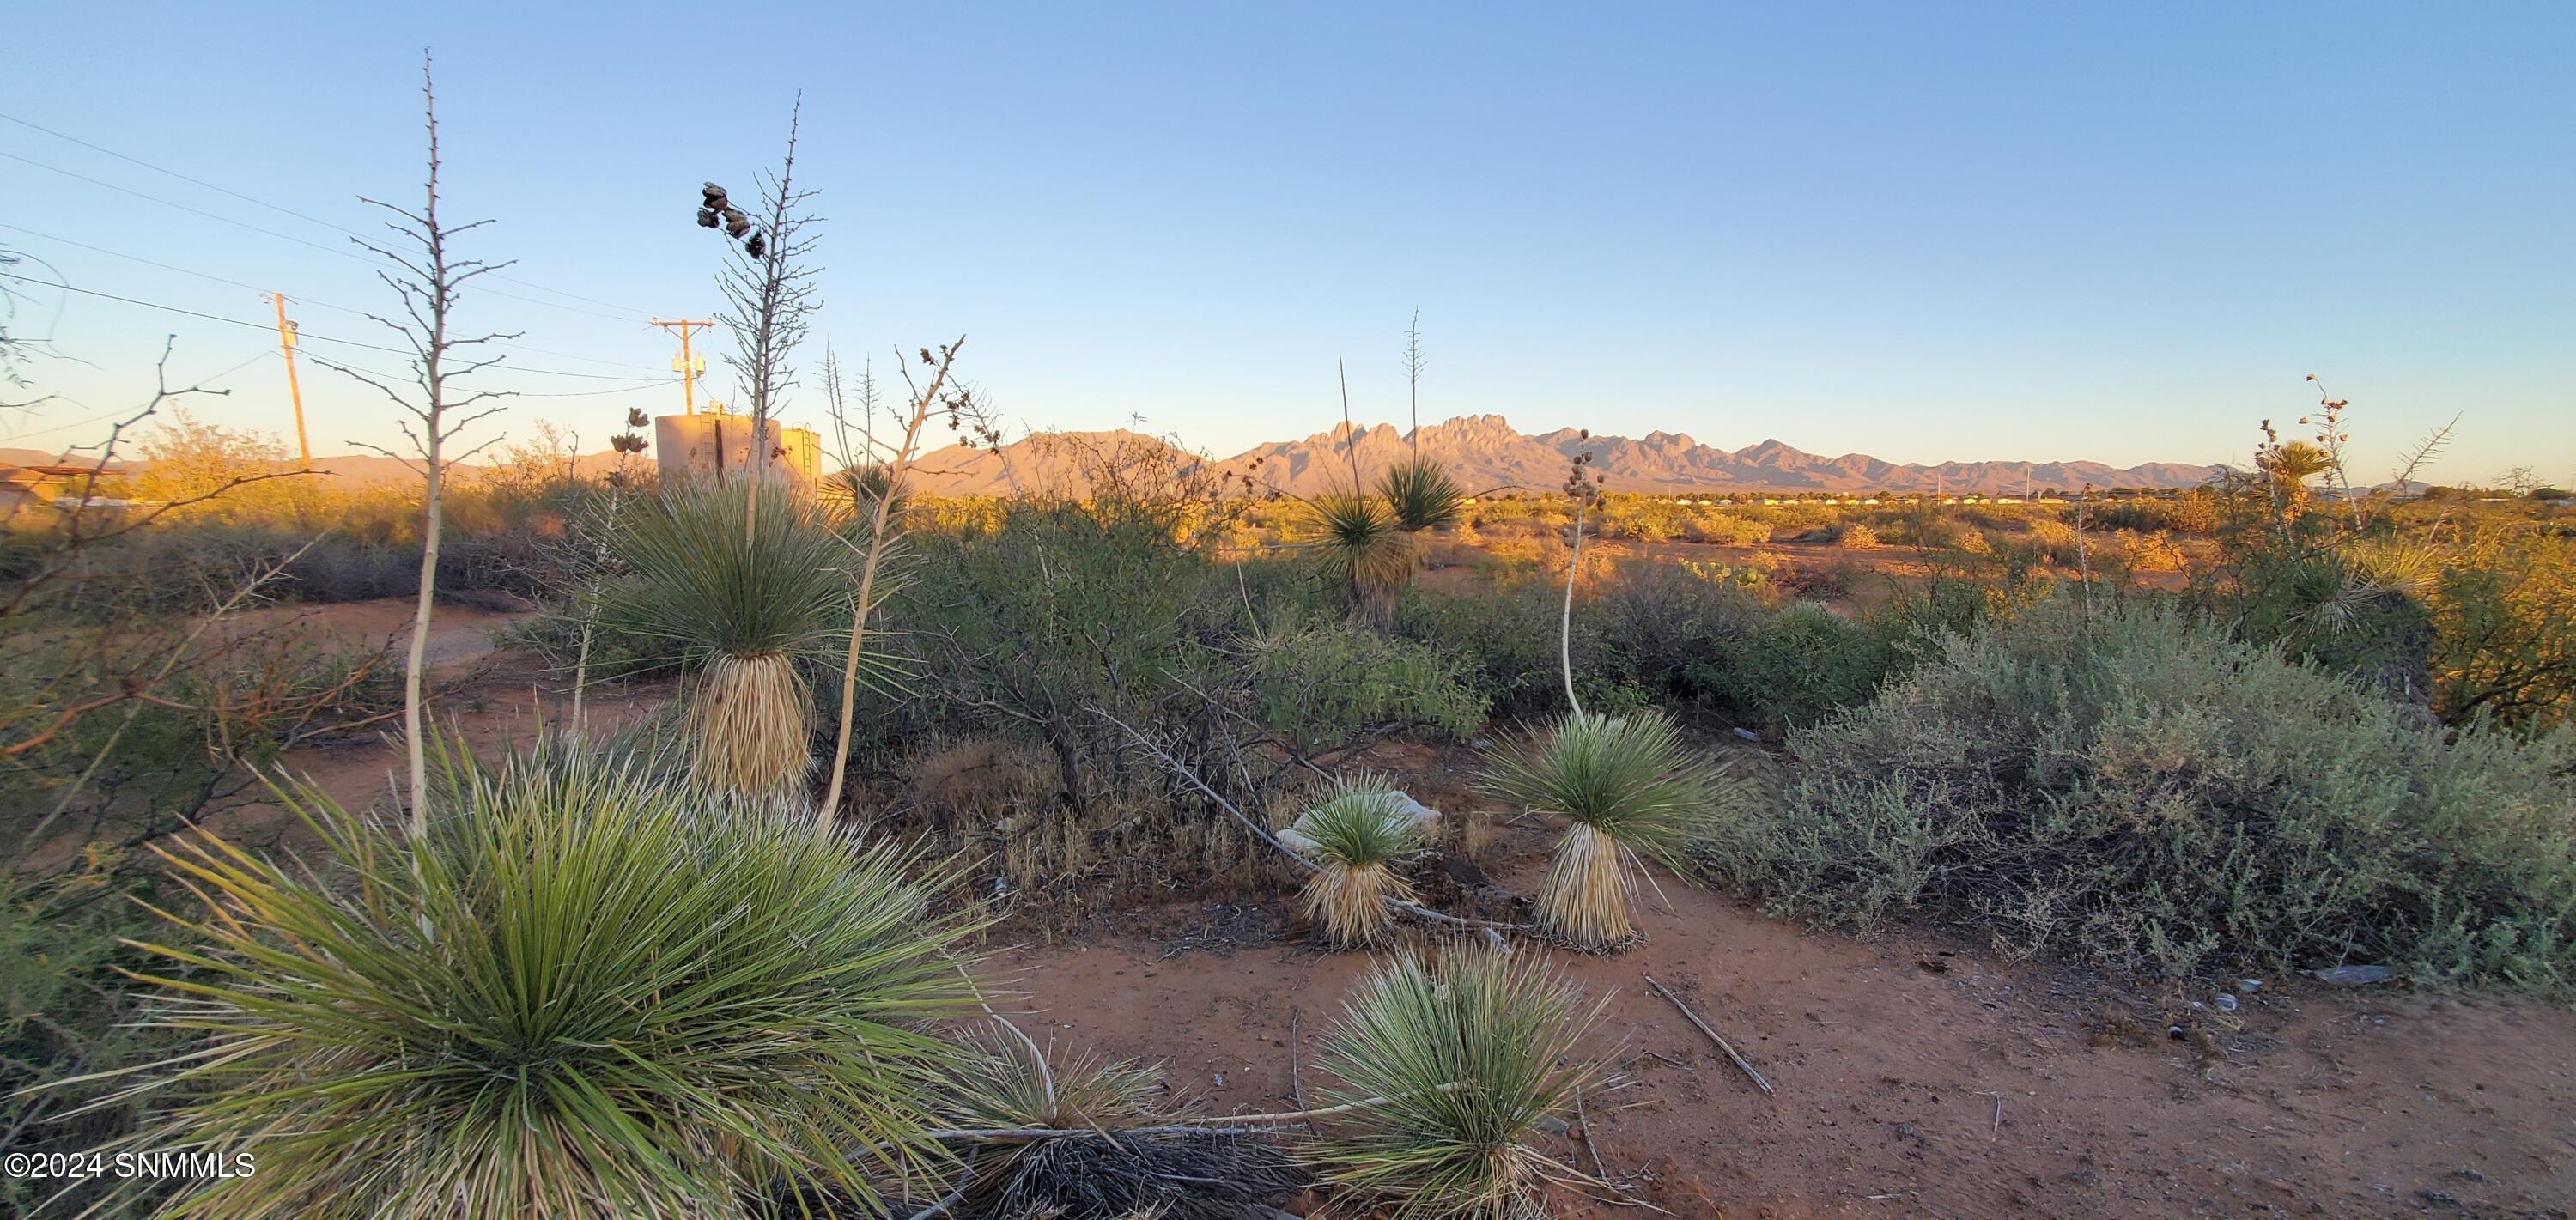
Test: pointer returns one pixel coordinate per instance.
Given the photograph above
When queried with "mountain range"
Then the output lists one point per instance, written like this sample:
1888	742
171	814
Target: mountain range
1484	451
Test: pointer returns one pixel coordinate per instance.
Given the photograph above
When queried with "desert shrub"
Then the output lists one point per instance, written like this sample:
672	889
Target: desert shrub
1795	666
1726	529
1857	536
1504	640
1060	609
2142	791
2052	540
2503	614
604	994
1324	683
2138	552
2197	511
1651	624
66	1016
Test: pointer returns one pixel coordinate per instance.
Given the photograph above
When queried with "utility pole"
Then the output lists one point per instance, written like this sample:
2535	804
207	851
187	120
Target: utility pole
294	393
689	367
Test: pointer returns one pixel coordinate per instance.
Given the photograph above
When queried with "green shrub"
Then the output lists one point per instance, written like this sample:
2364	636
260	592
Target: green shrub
1725	528
2143	792
1505	642
65	1014
1798	664
1323	684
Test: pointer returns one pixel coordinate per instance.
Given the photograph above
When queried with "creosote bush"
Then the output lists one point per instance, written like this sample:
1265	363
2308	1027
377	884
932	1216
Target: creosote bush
1470	1056
2142	791
590	992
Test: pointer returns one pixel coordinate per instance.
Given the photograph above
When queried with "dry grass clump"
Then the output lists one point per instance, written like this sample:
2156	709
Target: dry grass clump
983	783
1630	786
1465	1062
1360	832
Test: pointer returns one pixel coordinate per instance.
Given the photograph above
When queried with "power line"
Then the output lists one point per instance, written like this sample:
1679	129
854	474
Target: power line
283	210
344	253
255	358
297	297
373	347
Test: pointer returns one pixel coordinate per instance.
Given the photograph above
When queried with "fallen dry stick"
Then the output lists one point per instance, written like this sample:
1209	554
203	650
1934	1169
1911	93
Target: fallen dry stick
1740	1061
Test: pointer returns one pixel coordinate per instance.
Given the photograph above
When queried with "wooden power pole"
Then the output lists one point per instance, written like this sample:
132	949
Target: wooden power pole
294	392
688	366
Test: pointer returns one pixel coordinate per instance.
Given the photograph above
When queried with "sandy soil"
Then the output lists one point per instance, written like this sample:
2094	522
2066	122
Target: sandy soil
1915	1079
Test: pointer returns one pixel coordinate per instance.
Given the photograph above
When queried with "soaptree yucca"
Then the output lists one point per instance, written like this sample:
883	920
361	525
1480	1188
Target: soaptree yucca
741	586
1422	494
586	993
1629	786
1360	831
1359	541
1453	1071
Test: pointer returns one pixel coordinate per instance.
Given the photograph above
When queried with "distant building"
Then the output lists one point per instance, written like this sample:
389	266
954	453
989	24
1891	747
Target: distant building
23	486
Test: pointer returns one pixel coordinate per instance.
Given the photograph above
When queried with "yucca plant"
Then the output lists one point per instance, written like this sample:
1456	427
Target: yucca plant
1360	832
1359	541
586	993
1452	1070
855	490
1422	494
1095	1161
742	613
1630	786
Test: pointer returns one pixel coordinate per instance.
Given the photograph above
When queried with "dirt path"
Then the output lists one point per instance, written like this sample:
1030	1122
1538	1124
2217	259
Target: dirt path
1915	1080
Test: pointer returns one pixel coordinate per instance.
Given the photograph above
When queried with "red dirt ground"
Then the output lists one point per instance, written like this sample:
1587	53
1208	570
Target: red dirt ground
1914	1080
1914	1076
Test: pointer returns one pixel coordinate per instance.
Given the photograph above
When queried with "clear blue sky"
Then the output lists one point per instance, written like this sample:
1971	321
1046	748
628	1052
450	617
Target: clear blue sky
1918	231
